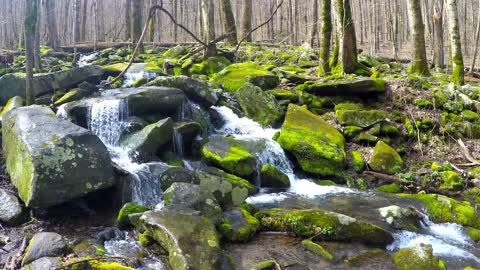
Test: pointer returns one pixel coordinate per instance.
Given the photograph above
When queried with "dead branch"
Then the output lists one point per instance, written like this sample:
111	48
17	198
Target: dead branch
210	43
259	26
14	262
467	154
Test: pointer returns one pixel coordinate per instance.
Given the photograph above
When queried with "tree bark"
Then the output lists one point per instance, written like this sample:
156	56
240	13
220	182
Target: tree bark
438	54
456	44
36	52
137	22
419	61
247	10
52	32
76	25
347	54
314	29
326	38
209	20
228	22
151	24
477	39
83	32
128	20
30	27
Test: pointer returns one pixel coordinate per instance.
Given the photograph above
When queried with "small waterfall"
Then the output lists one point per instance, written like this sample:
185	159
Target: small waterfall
178	147
192	111
107	120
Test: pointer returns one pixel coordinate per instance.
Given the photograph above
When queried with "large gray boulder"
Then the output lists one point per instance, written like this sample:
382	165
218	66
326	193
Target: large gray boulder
50	160
44	244
14	84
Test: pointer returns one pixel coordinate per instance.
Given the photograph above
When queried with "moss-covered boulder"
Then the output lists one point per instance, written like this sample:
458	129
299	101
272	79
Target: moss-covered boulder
229	155
265	265
52	161
443	209
385	159
13	103
318	147
400	218
272	177
146	142
451	180
363	119
194	89
228	192
323	225
317	249
419	257
72	95
258	105
235	76
357	162
238	225
127	210
191	241
90	264
345	87
209	66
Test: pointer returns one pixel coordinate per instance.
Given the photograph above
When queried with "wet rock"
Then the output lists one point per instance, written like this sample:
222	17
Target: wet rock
194	89
109	234
188	132
45	263
258	105
318	147
44	244
191	241
265	265
416	258
317	249
238	225
51	160
128	209
177	175
227	191
72	95
11	211
14	84
229	155
323	225
13	103
401	218
345	87
235	76
271	176
86	248
385	159
146	142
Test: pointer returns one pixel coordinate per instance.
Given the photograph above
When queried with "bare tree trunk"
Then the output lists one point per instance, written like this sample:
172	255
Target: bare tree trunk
36	51
347	54
419	61
477	39
454	31
30	27
314	29
84	21
247	19
95	22
175	29
228	22
151	24
76	24
52	33
137	22
128	20
326	38
438	54
209	19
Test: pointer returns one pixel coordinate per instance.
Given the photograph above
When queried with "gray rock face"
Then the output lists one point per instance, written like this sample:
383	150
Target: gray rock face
44	244
10	208
51	160
45	263
14	84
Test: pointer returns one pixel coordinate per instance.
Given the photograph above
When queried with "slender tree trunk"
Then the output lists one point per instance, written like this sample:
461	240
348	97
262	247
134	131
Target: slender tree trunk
38	63
347	54
228	22
151	24
128	20
314	29
30	27
247	19
209	19
477	39
52	33
438	54
326	38
137	21
76	24
95	22
175	29
83	33
455	43
419	61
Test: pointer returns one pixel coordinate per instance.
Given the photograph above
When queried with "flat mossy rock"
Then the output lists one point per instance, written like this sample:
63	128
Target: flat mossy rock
228	192
259	105
229	155
13	84
357	162
117	68
176	51
443	209
419	257
318	147
72	95
238	225
191	241
317	249
235	76
128	209
146	142
52	148
265	265
345	87
360	118
194	89
90	264
323	225
233	179
281	94
272	177
13	103
385	159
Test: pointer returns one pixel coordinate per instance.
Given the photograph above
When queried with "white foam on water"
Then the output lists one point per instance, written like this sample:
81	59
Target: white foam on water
131	76
85	60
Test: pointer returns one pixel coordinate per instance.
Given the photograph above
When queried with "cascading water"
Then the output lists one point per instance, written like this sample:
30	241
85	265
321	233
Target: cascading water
178	147
86	60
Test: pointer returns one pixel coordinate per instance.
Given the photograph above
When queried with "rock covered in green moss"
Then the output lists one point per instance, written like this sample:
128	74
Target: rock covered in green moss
56	149
238	225
351	131
345	87
191	241
357	161
259	105
265	265
210	66
360	118
424	104
13	103
390	188
72	95
282	94
371	255
228	191
45	263
349	106
318	147
443	209
317	249
385	159
44	244
323	225
271	176
400	218
419	257
235	76
89	263
229	155
451	180
128	209
473	233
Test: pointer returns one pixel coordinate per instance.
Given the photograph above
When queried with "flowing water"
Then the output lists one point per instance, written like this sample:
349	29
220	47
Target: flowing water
86	60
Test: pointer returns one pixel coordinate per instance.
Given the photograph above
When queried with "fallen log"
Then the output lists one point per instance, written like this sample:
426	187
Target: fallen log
89	46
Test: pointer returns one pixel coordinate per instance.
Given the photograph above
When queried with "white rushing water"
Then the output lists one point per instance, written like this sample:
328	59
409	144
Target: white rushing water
86	60
132	75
